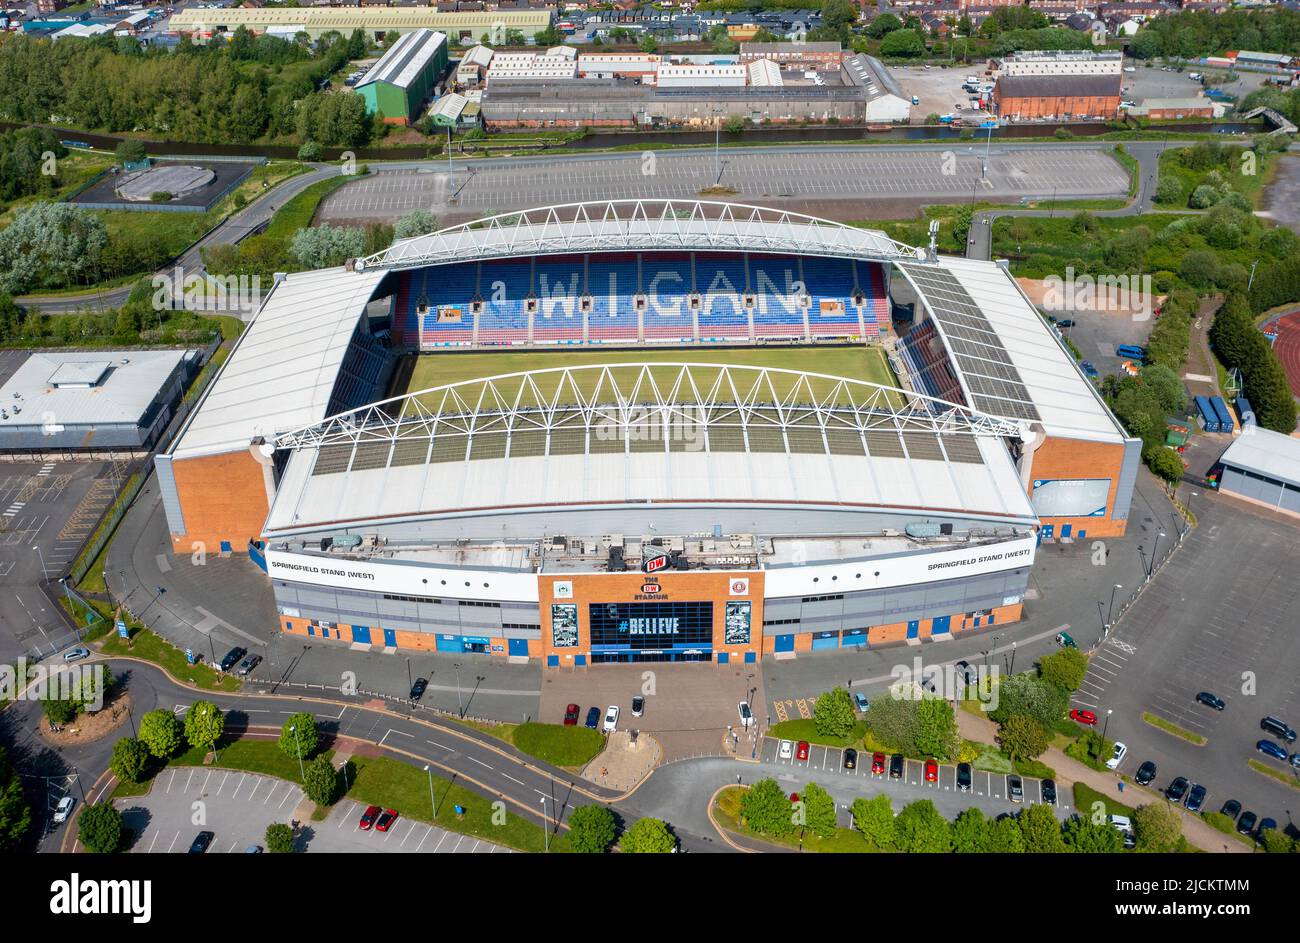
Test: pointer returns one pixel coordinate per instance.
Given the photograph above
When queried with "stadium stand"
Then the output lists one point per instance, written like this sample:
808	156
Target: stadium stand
927	364
830	288
560	289
612	285
506	288
778	306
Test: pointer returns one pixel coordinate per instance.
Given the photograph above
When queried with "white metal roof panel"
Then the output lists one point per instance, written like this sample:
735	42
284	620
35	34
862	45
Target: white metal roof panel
1267	453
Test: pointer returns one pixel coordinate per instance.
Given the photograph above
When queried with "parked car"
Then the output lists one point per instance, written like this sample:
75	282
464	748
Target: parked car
368	817
963	777
1065	322
801	750
386	820
1211	700
76	654
1084	717
931	771
571	715
1117	756
1176	790
966	673
850	758
746	715
1246	824
785	750
1265	825
63	809
252	661
1277	728
593	717
861	702
418	688
638	706
1146	772
1231	808
1195	798
1089	370
611	718
253	850
201	842
877	762
1015	789
1048	791
232	658
1269	748
896	766
1295	760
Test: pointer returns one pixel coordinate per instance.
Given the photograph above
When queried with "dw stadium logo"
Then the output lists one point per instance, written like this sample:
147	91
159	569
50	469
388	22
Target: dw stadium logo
650	586
654	561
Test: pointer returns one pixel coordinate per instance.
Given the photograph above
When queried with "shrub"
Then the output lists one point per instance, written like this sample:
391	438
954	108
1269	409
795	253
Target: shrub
591	829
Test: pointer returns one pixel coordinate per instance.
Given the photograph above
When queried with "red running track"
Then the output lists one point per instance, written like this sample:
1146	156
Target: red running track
1287	347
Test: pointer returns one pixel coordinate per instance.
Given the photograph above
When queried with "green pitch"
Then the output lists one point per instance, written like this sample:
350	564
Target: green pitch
439	369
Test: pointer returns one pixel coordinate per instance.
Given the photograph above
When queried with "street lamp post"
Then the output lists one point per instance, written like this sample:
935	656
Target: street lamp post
460	707
1105	724
546	828
293	729
1151	568
1110	612
1013	659
432	801
44	572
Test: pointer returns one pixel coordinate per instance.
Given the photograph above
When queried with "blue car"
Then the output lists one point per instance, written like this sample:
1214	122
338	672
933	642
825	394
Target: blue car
1089	370
1196	798
1269	748
593	718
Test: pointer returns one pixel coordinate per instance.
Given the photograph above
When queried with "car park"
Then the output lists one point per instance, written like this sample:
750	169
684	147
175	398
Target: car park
232	658
785	750
385	820
1211	700
963	777
63	809
861	702
201	842
1277	728
1195	798
1231	808
1015	789
611	718
418	688
1117	755
801	750
746	715
76	654
850	759
368	817
638	706
1269	748
1088	718
1177	789
593	717
571	715
1145	774
252	661
931	771
1047	789
896	766
877	762
1246	824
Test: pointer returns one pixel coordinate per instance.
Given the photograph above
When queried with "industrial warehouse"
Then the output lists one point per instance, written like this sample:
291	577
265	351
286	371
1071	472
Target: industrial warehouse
633	482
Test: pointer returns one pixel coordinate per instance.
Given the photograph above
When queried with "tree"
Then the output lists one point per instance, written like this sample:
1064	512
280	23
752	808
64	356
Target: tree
1087	837
1166	465
279	838
1204	196
298	735
324	246
59	711
1169	190
970	832
100	828
1041	830
961	224
320	781
819	811
415	223
833	714
874	818
309	150
15	813
883	24
1021	738
734	124
130	760
1033	697
204	725
936	733
921	829
50	245
765	808
161	732
130	151
1156	828
1004	837
1064	669
591	829
649	45
903	43
647	837
895	722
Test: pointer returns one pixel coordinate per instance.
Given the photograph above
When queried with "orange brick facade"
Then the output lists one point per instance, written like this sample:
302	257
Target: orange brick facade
1074	106
223	498
1061	458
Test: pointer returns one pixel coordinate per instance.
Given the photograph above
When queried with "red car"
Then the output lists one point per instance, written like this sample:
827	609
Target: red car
877	762
571	715
1084	717
368	817
794	798
931	771
801	751
386	820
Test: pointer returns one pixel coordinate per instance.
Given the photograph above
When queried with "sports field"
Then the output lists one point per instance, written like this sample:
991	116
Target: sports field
439	369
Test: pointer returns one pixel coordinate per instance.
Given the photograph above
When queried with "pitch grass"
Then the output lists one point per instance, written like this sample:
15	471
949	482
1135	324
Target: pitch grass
856	362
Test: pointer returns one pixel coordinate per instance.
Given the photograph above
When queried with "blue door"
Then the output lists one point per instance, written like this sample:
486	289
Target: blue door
783	643
450	643
361	633
390	638
580	661
723	657
1047	532
824	640
1082	534
1065	530
913	628
311	629
552	661
517	646
750	658
941	625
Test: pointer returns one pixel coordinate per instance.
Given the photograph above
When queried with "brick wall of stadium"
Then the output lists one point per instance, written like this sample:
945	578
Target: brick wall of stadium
1062	458
223	498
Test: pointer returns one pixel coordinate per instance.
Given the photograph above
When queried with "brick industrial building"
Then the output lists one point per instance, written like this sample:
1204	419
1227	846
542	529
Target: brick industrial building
1057	97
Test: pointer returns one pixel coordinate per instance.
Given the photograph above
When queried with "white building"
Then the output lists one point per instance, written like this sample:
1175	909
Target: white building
886	101
1071	62
689	75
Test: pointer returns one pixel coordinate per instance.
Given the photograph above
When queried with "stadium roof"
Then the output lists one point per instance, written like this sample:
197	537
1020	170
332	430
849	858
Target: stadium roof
631	433
1008	360
283	368
85	388
623	225
1266	453
406	58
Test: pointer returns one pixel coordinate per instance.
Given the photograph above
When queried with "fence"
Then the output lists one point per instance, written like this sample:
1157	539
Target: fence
108	524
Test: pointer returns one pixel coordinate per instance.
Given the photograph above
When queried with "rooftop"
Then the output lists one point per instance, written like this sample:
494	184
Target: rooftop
1266	453
406	58
1059	86
85	388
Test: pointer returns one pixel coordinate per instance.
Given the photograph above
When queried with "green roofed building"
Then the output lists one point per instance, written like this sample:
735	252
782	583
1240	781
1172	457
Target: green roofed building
397	85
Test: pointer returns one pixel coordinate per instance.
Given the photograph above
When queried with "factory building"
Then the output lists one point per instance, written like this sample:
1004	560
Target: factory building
396	87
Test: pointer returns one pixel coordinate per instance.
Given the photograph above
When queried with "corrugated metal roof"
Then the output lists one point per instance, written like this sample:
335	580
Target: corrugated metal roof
283	369
128	382
407	58
1265	452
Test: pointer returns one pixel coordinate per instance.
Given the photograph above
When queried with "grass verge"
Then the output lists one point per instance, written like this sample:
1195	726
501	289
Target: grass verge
726	809
1085	798
1168	726
557	744
1282	776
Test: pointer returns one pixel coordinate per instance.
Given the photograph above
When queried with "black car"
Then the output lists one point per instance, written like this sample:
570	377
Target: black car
201	843
963	777
850	759
1231	808
1146	772
638	706
966	673
1277	728
1246	824
248	664
1195	798
232	658
896	766
417	689
593	718
1015	789
1065	322
1211	700
1175	791
1049	791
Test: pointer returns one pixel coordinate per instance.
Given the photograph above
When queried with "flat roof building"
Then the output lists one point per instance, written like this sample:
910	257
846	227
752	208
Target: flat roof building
1264	467
316	21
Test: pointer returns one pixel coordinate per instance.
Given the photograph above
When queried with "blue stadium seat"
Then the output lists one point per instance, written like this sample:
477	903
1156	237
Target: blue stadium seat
505	289
558	284
830	288
611	283
777	308
722	283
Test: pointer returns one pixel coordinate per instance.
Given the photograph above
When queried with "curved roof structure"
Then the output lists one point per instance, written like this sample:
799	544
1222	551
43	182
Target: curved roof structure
631	225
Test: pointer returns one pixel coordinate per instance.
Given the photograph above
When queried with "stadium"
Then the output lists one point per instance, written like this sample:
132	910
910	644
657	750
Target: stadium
635	431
